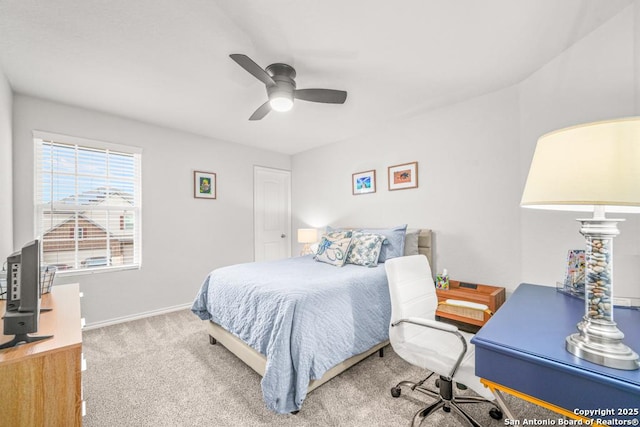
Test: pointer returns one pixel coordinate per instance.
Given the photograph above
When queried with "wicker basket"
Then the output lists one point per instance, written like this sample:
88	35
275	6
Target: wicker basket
470	313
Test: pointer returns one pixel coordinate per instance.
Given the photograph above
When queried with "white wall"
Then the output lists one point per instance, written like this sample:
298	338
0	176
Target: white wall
6	207
593	80
183	238
468	189
474	158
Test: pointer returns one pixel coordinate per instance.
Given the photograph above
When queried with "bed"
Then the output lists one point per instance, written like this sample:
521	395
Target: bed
298	322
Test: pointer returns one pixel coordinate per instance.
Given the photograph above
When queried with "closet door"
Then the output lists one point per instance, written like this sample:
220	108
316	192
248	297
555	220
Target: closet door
272	214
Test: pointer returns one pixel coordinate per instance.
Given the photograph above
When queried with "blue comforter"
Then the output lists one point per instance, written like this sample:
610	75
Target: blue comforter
304	316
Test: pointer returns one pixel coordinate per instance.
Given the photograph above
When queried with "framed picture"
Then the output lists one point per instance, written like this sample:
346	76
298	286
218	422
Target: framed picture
204	185
403	176
363	182
575	277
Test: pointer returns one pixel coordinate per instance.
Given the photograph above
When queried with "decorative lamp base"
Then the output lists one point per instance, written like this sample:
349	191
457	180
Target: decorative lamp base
598	339
600	342
306	250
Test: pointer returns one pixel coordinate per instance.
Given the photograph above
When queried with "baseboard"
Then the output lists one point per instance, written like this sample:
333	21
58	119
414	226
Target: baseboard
136	316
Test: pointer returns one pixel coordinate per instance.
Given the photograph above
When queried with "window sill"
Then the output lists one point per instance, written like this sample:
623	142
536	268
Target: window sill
96	270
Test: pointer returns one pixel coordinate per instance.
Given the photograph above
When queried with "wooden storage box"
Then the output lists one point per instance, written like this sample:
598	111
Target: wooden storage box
491	296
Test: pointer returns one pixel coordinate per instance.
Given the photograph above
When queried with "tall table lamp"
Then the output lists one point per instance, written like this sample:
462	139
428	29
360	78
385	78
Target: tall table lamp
593	167
307	236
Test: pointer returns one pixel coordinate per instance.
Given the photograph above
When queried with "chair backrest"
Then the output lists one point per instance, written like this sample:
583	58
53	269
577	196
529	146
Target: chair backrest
412	291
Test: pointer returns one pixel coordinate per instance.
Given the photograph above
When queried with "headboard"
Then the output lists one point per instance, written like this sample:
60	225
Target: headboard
425	245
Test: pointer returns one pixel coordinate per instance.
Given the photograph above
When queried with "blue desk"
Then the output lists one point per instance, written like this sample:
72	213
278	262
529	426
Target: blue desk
522	348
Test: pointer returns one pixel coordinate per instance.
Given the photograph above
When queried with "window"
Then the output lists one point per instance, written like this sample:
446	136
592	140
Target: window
87	203
79	233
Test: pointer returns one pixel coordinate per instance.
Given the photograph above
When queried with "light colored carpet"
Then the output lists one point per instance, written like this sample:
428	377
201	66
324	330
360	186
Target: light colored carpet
162	371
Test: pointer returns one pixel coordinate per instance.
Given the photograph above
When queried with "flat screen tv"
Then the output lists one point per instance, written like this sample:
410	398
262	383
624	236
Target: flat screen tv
23	295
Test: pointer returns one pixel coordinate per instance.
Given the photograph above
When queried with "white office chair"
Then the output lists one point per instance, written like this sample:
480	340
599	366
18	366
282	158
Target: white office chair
421	340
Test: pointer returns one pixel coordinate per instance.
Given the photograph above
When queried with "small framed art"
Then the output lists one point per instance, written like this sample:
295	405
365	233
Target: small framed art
402	177
363	182
204	185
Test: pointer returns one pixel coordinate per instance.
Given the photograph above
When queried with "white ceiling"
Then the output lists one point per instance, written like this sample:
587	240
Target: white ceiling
167	62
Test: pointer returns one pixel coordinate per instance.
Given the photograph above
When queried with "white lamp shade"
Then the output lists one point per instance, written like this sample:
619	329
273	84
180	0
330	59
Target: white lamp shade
307	235
580	167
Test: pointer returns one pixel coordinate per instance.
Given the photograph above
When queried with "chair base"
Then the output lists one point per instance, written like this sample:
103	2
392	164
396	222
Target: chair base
446	400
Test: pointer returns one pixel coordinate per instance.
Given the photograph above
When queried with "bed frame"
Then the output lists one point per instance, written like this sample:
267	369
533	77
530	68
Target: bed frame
258	361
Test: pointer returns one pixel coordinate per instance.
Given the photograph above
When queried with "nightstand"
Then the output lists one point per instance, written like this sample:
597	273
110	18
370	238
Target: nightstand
491	296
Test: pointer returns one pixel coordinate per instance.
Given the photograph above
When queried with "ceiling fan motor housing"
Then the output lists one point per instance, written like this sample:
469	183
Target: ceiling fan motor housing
283	75
280	69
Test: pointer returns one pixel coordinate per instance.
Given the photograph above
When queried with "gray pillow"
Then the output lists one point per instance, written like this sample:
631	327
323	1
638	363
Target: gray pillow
411	242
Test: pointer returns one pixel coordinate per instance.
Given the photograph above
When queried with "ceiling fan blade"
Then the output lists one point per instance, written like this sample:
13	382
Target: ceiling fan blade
262	111
329	96
247	63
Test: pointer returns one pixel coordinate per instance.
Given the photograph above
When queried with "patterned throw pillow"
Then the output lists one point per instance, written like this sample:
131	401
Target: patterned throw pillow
365	249
334	248
393	245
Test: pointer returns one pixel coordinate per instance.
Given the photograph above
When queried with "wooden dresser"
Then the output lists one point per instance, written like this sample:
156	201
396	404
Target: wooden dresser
40	383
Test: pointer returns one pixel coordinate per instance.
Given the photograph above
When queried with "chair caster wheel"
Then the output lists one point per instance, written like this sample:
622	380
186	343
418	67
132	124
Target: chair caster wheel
446	409
495	413
461	386
395	391
437	382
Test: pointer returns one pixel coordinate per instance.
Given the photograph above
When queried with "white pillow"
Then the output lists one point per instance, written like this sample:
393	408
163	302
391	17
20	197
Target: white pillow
334	248
314	247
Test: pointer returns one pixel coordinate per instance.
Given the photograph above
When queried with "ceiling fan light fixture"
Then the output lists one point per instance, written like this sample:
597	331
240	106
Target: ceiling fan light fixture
279	82
281	102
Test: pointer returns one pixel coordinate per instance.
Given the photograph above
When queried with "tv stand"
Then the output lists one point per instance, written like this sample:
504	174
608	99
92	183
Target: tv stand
40	383
23	339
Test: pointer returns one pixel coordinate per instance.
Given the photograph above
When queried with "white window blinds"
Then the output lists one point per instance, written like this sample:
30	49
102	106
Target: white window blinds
87	203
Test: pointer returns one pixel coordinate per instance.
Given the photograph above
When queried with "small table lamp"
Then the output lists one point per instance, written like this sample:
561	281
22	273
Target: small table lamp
594	167
307	236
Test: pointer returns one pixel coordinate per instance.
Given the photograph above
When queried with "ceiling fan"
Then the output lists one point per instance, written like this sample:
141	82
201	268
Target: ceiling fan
281	87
